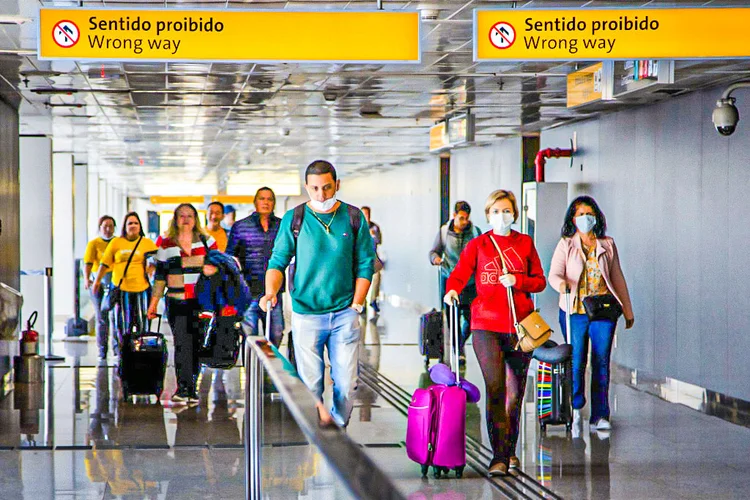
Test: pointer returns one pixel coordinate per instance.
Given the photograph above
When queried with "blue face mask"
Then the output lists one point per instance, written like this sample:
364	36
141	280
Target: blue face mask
585	223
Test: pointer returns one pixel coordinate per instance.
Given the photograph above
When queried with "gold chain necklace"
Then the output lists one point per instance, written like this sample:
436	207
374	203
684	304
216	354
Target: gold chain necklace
327	226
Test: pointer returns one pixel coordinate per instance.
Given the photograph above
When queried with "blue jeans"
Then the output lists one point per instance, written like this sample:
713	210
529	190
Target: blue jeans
339	332
104	323
255	316
601	334
130	314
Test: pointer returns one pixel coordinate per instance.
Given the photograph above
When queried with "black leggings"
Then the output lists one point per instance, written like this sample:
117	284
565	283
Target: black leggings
504	370
185	325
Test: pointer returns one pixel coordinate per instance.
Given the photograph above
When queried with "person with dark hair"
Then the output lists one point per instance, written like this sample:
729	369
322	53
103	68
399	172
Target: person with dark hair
586	263
377	239
130	311
251	242
214	217
91	264
230	216
334	259
498	260
450	241
179	262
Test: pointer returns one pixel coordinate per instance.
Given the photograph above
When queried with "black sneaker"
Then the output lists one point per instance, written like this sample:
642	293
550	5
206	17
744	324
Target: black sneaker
181	396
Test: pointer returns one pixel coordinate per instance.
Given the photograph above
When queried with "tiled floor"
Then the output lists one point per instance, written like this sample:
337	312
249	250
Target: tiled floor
103	447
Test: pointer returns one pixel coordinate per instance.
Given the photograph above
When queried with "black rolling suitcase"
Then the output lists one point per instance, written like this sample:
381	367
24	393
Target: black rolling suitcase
143	362
431	336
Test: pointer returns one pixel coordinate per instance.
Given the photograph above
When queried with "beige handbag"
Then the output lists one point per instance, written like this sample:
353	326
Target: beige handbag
532	331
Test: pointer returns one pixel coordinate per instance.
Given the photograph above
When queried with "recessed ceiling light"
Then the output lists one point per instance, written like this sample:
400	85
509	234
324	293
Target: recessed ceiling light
6	19
18	52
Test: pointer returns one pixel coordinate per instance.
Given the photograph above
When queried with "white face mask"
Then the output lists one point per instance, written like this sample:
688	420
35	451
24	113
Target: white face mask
323	206
501	222
585	223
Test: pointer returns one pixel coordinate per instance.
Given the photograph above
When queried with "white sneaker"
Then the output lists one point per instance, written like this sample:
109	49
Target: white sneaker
577	418
602	425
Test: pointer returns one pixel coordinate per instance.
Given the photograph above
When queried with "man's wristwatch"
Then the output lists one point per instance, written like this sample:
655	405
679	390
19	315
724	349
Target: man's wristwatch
358	307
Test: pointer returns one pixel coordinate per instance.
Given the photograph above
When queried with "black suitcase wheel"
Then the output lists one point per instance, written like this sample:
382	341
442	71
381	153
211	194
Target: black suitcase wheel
436	472
425	470
460	471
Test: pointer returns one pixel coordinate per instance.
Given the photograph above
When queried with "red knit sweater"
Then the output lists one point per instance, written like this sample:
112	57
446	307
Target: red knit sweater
490	310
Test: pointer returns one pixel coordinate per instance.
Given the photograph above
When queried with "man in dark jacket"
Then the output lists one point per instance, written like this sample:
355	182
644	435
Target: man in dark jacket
450	241
251	240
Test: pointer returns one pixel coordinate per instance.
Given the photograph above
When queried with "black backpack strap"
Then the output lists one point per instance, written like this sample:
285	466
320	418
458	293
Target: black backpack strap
297	217
354	220
299	214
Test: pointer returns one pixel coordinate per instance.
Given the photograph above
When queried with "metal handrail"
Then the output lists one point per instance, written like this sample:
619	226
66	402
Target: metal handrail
361	476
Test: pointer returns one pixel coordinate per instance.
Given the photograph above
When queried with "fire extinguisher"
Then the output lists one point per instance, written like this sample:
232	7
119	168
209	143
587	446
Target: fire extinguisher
30	337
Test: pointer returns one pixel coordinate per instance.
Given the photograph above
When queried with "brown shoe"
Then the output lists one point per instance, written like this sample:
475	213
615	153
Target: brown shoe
514	462
498	469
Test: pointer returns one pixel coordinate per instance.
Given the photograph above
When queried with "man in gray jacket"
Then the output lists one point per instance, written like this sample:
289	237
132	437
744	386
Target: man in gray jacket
450	241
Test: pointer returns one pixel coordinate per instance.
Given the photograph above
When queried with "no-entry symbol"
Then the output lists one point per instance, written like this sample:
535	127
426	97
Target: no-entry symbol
66	34
502	35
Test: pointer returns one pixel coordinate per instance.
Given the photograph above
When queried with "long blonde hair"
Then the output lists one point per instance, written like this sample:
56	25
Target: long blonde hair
198	230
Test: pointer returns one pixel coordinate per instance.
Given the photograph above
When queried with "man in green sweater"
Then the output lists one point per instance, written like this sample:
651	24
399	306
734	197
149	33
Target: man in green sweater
334	263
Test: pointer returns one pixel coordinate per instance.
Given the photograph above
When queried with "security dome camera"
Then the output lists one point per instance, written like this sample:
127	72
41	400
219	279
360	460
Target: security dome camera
725	116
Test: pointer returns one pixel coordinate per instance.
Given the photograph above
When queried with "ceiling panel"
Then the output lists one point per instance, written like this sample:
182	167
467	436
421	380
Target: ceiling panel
202	120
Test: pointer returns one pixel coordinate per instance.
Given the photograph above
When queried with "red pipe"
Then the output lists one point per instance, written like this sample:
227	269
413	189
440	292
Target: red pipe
541	159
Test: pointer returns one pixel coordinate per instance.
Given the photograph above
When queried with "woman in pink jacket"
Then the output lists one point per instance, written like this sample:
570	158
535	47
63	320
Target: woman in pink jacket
586	263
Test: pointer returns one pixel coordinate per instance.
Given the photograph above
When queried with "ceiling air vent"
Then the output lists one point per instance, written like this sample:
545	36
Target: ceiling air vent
370	112
670	91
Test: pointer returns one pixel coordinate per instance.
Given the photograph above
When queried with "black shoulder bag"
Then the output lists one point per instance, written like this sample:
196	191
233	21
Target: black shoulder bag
602	307
115	294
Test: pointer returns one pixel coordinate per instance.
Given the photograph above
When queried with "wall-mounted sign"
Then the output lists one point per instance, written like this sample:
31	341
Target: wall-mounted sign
586	85
229	35
439	137
635	75
600	34
456	130
460	129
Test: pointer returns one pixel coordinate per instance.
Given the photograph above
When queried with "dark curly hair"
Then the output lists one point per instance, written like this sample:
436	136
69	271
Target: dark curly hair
569	226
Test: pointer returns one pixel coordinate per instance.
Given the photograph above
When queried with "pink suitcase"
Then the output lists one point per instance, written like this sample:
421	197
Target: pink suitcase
436	425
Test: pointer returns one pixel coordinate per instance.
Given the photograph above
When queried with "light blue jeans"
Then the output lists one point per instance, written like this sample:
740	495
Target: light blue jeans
255	317
339	332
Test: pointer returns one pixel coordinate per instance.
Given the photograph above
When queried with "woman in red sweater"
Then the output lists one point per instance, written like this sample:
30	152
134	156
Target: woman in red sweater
503	367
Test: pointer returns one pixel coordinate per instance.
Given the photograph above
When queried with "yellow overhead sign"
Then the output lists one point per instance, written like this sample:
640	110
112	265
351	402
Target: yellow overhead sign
438	137
585	86
229	35
597	34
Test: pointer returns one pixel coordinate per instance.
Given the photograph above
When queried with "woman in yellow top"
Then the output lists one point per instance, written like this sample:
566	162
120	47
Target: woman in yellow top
91	259
130	312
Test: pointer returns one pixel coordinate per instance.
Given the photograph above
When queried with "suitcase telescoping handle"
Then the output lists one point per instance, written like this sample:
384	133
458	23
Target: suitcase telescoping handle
158	329
567	315
455	334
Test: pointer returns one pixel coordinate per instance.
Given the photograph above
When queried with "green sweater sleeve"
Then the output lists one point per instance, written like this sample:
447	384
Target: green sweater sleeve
365	251
283	247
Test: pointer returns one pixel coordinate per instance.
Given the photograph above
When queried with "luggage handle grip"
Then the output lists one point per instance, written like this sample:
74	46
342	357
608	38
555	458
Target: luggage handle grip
158	329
